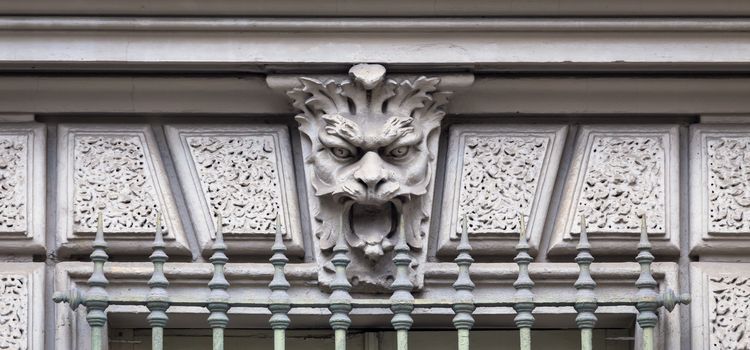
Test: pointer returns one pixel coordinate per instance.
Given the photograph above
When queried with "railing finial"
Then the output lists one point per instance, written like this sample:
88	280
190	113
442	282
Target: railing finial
158	298
279	303
340	301
648	299
218	298
97	298
402	302
463	305
586	302
524	296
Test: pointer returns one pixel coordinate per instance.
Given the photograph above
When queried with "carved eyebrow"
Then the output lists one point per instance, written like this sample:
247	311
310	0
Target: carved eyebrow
395	128
333	140
343	128
409	139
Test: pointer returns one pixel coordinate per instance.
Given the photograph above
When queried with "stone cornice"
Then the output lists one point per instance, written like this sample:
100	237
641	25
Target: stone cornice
380	8
364	24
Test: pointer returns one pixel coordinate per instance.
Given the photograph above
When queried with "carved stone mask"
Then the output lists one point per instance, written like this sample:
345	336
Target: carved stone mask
371	151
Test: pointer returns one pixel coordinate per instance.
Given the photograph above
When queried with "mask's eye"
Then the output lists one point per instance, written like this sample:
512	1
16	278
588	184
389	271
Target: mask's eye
341	152
399	152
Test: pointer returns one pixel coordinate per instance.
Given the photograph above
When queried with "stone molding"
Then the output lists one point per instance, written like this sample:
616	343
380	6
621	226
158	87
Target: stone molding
719	207
22	296
618	173
23	182
720	312
126	181
264	162
528	157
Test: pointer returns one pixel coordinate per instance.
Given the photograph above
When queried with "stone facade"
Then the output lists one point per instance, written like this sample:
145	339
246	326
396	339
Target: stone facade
254	116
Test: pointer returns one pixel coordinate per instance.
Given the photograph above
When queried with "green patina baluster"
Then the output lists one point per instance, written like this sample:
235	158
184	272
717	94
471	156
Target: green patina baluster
279	303
464	303
97	299
585	285
218	299
340	299
524	296
158	298
402	302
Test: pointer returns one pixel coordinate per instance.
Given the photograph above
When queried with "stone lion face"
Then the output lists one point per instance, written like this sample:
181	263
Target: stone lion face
371	167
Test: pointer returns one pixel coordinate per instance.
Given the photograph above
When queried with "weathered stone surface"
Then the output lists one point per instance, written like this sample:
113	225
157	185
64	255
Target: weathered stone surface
720	193
243	173
369	144
21	302
496	174
617	175
22	188
721	307
115	170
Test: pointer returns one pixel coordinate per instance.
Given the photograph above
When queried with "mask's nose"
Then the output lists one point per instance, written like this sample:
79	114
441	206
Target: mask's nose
370	171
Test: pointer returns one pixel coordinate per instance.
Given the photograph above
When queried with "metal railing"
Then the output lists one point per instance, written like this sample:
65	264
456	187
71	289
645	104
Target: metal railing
340	303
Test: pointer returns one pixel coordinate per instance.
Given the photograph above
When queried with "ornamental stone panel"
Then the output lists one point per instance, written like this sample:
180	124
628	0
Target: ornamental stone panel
243	173
619	174
116	170
497	174
22	188
721	306
720	189
22	305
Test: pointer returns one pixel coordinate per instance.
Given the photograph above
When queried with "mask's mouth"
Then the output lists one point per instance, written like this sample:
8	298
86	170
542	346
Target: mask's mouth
371	225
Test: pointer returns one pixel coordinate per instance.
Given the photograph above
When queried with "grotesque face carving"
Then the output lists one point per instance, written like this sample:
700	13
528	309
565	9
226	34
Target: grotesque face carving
370	149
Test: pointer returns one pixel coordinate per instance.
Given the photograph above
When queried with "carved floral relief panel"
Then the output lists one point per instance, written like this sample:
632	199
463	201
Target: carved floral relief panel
21	306
720	193
14	300
111	176
244	174
13	150
729	312
114	170
22	188
496	175
624	180
619	174
720	311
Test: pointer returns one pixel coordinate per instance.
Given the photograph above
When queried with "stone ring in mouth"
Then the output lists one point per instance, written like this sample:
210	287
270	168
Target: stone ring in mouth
371	226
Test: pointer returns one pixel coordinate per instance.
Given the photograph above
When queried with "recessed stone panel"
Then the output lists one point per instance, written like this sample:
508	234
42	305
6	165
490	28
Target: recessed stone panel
115	170
22	301
619	174
721	305
720	189
495	175
22	188
243	173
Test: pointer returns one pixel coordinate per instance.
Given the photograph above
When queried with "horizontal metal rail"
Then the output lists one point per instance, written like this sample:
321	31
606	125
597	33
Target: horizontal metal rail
402	303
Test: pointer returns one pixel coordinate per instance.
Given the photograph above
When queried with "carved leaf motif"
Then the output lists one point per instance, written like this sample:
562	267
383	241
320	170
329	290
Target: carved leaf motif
499	181
239	178
12	183
730	313
13	312
624	179
728	184
111	176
